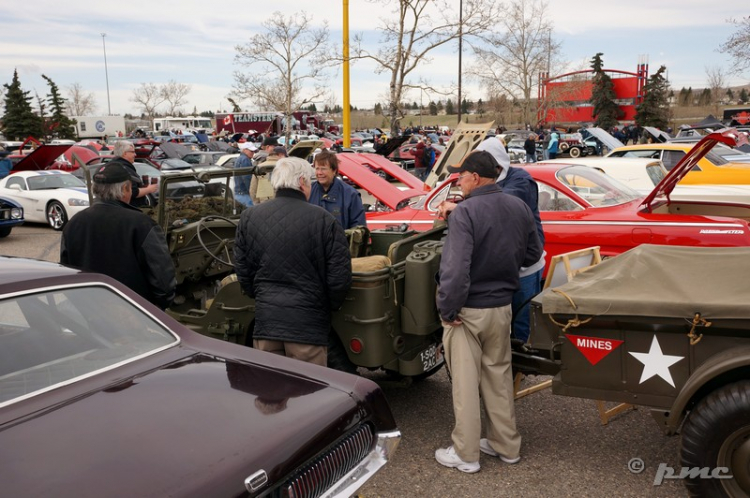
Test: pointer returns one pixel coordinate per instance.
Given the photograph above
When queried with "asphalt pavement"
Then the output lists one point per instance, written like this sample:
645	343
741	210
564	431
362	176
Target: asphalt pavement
566	450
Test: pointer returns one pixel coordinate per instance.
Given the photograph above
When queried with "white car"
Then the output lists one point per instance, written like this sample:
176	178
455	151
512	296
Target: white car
48	196
644	174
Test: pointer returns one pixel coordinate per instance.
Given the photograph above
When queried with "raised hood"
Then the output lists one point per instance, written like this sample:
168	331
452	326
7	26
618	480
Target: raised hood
40	158
354	167
197	427
728	136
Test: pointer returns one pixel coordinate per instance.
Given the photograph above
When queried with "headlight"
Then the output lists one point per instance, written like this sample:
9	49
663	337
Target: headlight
16	213
77	202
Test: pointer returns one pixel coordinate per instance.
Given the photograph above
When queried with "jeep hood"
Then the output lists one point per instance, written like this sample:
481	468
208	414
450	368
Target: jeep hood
726	136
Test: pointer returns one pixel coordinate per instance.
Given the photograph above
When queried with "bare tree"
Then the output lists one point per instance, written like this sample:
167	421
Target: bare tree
716	78
290	55
737	44
512	57
174	94
80	102
148	97
418	28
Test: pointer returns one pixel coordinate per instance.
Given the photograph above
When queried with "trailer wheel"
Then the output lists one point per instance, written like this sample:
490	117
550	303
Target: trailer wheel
717	434
575	152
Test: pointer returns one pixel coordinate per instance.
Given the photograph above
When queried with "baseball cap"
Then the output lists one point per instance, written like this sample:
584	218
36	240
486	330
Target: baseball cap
280	150
479	162
111	173
248	145
270	141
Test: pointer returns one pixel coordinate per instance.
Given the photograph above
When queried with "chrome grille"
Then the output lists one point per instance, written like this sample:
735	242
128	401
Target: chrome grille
318	476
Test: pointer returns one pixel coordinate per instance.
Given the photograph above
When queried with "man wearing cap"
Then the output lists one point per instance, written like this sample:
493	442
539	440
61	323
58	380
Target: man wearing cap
124	152
117	239
490	236
265	160
242	183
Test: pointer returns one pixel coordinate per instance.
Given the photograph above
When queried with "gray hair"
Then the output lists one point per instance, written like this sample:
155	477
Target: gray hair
288	171
123	146
109	191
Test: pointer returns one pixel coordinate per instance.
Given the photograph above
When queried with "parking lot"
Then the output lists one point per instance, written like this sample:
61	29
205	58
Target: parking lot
566	451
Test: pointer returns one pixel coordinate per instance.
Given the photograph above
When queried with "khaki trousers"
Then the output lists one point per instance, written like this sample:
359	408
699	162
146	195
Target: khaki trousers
303	352
478	355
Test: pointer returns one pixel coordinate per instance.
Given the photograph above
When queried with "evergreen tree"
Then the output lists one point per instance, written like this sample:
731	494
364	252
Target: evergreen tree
433	108
440	106
654	109
730	94
606	111
464	107
480	107
743	95
705	97
449	108
19	121
60	125
378	109
689	96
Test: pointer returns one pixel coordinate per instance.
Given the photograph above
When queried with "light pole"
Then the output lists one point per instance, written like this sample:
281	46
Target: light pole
460	51
106	74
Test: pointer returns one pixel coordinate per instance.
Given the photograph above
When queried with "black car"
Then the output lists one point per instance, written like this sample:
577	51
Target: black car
11	215
103	394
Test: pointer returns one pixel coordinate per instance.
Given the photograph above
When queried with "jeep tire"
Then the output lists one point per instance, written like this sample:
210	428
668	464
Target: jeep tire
717	434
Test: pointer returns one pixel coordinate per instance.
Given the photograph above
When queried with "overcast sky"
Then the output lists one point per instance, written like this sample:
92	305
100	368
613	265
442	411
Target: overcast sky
193	42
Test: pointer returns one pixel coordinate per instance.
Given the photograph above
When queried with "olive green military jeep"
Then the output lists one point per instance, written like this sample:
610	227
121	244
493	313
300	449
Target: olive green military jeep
385	323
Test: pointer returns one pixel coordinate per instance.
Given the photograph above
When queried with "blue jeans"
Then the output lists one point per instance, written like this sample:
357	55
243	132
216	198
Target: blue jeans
530	158
244	199
530	286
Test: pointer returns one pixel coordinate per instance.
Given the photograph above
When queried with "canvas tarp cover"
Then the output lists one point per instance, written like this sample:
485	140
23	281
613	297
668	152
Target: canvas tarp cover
660	281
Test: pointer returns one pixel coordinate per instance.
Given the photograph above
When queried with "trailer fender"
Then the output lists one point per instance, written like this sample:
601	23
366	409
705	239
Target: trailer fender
701	382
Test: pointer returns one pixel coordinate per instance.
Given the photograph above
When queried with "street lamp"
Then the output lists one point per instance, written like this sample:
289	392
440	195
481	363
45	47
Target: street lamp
106	74
460	51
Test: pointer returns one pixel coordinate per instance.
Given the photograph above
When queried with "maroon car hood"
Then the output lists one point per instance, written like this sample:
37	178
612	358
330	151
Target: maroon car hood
726	136
197	427
355	167
41	158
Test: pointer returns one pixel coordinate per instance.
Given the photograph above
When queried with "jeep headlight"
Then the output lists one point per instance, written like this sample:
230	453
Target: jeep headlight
77	202
16	213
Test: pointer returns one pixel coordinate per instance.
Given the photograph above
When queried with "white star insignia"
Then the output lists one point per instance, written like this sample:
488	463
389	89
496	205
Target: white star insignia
656	363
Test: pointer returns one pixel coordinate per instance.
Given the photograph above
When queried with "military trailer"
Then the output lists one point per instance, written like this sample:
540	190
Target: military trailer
388	320
664	327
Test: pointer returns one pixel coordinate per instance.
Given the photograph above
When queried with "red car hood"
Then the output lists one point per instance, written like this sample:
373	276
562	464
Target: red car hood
728	136
377	162
356	167
41	158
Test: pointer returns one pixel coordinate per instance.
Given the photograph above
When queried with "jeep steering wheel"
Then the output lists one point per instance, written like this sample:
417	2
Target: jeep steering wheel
224	244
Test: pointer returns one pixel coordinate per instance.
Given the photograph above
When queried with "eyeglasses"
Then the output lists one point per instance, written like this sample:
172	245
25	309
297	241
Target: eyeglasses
462	176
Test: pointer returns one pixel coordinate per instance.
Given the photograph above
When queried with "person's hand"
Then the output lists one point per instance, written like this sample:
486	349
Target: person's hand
454	323
445	208
151	189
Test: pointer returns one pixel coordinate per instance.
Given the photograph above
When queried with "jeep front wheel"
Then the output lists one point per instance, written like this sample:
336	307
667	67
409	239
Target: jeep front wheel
717	434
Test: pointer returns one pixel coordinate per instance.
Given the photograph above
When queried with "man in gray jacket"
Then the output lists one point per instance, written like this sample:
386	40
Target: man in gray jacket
491	235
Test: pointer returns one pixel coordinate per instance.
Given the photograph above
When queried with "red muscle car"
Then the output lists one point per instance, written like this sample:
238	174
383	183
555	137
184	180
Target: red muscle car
581	207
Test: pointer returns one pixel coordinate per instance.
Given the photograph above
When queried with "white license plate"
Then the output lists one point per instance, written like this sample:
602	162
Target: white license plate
432	357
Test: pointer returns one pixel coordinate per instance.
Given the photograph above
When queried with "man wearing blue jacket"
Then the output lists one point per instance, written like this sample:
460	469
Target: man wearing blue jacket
490	236
335	196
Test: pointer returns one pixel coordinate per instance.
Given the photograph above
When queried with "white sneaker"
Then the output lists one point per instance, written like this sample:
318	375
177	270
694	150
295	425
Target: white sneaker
449	458
484	447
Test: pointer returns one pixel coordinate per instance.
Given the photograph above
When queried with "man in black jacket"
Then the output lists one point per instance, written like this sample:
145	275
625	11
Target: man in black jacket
116	239
293	258
125	156
490	236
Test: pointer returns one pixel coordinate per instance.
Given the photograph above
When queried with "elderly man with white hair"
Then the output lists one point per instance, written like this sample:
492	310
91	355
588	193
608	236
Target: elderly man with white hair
293	258
125	156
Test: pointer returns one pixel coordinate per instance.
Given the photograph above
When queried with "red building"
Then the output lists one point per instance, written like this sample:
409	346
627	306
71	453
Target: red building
566	98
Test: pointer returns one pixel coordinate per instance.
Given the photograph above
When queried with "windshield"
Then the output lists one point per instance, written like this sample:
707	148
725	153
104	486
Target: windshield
51	338
51	181
596	188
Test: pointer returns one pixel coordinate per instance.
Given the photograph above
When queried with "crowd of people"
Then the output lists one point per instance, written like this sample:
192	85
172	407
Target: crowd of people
292	256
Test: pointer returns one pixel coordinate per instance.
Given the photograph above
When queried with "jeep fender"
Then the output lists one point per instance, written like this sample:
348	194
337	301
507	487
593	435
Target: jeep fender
715	367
